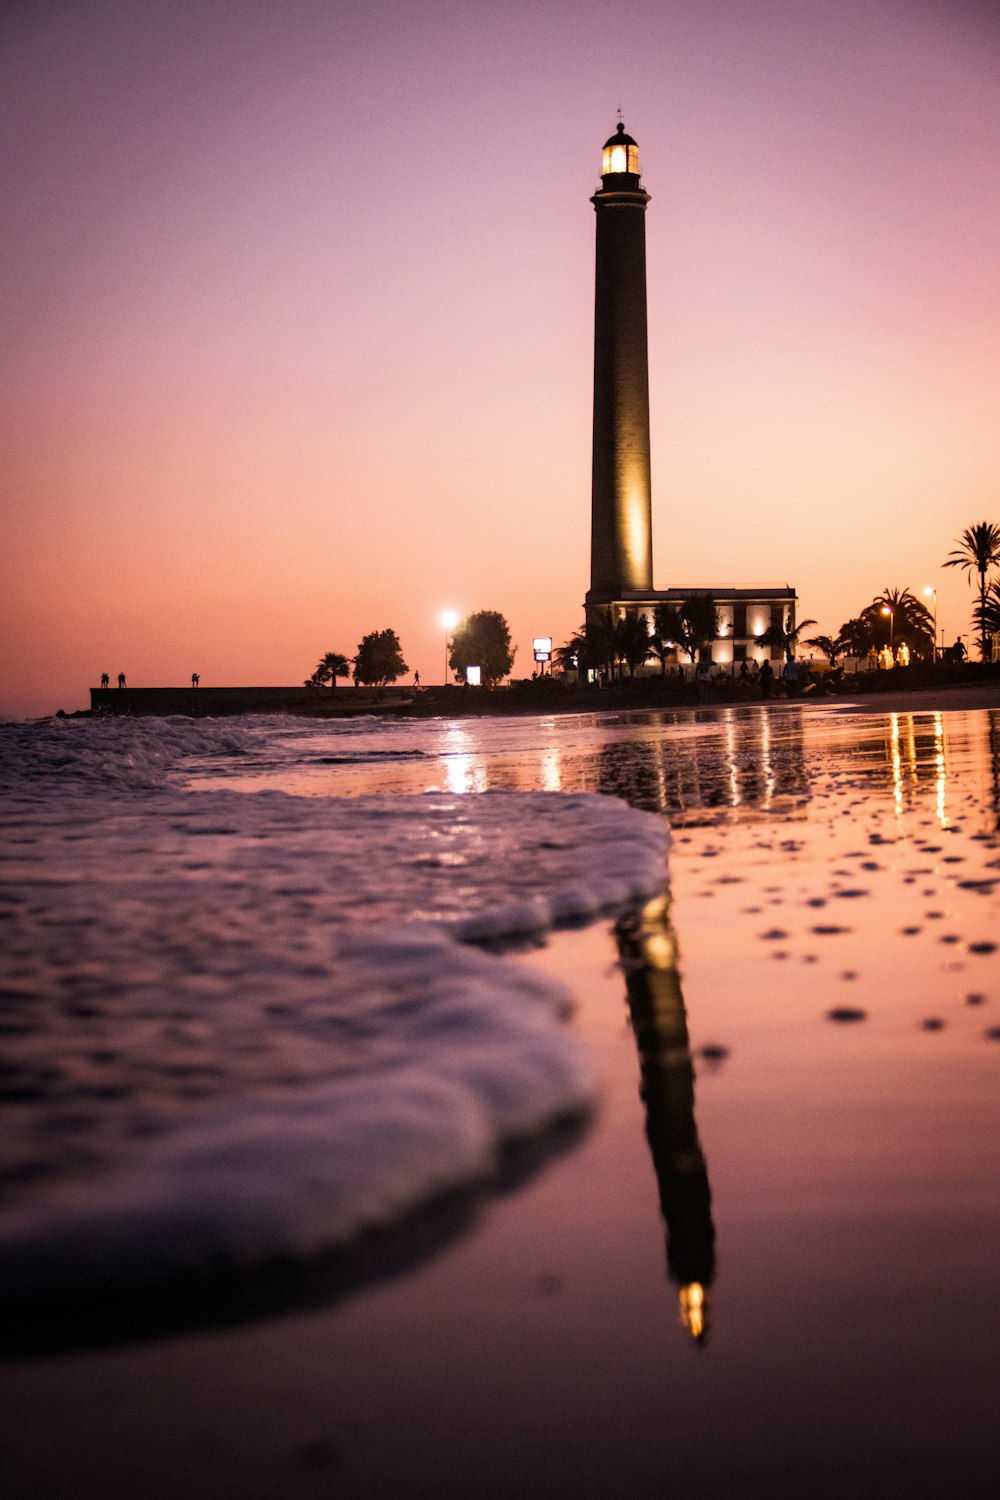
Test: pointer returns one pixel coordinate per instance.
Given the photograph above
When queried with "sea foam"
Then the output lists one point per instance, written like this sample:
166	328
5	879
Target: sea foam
240	1025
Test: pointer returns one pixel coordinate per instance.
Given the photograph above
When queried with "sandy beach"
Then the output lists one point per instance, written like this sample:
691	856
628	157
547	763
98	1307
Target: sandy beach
816	1127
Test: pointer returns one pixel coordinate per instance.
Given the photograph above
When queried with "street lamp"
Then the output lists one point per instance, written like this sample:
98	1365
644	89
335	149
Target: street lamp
449	620
928	592
887	610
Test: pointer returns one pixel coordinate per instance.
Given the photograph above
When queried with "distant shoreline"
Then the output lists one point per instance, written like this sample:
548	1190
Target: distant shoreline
972	685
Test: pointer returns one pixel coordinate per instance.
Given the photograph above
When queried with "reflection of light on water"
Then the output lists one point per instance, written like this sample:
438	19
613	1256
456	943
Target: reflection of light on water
765	758
692	1303
464	772
897	764
551	770
940	775
734	783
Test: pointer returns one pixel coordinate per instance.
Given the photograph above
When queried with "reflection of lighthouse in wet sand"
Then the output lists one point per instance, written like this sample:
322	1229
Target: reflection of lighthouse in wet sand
648	951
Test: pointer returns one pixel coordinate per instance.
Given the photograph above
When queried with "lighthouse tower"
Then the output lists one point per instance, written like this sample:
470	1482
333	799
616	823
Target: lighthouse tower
621	551
621	527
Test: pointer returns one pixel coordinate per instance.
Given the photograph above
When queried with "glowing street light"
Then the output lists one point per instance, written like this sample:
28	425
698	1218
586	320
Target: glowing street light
928	592
887	610
449	620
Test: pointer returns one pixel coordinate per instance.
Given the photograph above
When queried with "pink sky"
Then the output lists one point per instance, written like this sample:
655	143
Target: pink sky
298	317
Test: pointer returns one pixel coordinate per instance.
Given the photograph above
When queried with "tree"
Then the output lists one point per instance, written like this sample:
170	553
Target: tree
632	641
858	637
700	622
692	625
668	632
831	647
617	641
379	659
897	615
977	552
785	640
575	656
332	666
986	615
602	640
482	640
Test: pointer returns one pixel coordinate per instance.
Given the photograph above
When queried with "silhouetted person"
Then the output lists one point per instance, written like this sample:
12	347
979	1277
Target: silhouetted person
766	678
416	679
195	679
121	679
958	650
105	680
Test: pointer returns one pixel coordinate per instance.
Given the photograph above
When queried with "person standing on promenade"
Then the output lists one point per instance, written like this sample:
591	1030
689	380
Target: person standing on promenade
105	680
195	679
121	679
766	678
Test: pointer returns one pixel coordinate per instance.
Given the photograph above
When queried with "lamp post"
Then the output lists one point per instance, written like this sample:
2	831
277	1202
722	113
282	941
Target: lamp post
449	620
886	609
928	592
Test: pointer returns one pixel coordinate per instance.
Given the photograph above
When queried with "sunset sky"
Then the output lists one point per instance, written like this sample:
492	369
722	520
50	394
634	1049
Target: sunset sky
298	299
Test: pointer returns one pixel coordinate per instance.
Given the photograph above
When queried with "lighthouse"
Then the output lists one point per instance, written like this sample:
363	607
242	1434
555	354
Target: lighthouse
621	520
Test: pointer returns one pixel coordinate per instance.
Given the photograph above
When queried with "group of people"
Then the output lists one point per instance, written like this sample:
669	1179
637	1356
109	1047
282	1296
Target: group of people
753	674
106	680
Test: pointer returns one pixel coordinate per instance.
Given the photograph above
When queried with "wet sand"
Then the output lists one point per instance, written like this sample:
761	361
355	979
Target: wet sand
923	700
852	1164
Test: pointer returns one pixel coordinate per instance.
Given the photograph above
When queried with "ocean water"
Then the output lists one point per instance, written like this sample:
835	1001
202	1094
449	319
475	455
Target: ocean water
240	1022
279	982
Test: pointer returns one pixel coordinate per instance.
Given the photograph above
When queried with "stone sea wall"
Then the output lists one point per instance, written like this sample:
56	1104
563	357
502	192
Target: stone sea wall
219	702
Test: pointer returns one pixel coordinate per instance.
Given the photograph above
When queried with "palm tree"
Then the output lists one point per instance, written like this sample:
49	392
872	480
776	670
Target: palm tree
332	666
857	636
602	645
986	614
632	641
787	640
831	646
897	615
575	656
977	552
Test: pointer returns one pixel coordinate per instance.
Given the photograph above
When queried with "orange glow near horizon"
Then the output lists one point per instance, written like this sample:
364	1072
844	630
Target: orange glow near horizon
258	402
